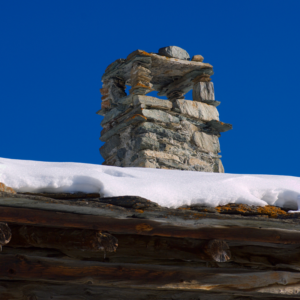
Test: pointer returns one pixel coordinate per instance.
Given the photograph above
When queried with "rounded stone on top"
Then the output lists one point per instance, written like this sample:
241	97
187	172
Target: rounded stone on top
198	58
174	52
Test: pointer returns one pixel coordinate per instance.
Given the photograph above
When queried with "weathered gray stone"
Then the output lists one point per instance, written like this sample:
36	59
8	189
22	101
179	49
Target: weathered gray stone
122	67
187	128
218	167
111	115
101	112
114	89
158	154
200	165
121	153
112	161
148	164
184	84
164	141
110	147
126	100
171	164
198	123
206	142
152	102
175	142
117	129
158	115
197	110
214	103
145	163
144	131
203	91
219	126
134	157
163	69
144	142
174	52
161	131
140	79
117	89
180	151
128	114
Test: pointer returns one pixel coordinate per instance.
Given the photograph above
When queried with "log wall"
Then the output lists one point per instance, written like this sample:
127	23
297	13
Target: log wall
57	250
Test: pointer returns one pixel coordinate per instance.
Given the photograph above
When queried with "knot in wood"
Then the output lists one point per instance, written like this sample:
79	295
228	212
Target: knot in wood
5	234
218	250
107	241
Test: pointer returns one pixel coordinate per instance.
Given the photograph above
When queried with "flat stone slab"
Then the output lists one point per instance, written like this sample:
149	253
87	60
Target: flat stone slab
198	110
163	69
212	102
219	126
148	101
158	115
152	102
207	142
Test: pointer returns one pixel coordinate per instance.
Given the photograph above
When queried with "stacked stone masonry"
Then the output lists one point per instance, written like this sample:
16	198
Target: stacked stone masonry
145	131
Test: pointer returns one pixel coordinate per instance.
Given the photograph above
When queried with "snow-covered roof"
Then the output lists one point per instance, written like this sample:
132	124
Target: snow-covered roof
169	188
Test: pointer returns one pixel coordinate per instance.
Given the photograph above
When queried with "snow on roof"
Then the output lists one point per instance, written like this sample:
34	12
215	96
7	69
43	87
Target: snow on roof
170	188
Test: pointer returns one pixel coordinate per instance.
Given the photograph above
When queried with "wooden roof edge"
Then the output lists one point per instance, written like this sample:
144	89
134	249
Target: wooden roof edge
270	211
22	268
144	217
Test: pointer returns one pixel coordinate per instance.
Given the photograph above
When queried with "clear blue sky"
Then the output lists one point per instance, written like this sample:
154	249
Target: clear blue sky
53	54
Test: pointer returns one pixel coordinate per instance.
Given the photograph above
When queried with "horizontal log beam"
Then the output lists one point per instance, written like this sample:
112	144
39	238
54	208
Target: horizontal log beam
132	276
5	234
135	215
166	251
63	239
91	242
135	225
50	291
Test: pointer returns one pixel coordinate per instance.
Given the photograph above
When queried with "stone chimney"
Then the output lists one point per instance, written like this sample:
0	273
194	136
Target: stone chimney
144	131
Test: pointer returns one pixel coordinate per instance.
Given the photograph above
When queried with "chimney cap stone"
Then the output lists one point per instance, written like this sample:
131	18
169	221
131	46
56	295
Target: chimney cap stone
174	52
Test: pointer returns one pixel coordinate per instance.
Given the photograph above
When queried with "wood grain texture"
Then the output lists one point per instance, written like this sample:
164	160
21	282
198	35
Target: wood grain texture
218	250
132	276
145	227
67	239
162	252
50	291
5	234
181	252
150	220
